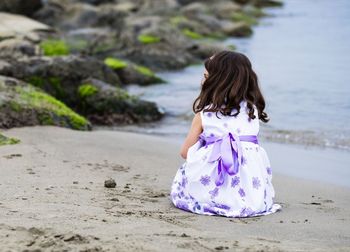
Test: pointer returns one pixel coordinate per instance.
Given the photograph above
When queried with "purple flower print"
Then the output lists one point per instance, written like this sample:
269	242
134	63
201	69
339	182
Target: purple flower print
238	130
209	114
241	192
214	192
182	205
209	209
184	181
256	182
265	194
205	180
222	206
246	211
235	181
268	170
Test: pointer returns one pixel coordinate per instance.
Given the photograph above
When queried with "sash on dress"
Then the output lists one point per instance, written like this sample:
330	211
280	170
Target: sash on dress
227	150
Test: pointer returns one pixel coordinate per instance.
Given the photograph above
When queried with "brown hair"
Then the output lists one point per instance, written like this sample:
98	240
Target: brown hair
230	80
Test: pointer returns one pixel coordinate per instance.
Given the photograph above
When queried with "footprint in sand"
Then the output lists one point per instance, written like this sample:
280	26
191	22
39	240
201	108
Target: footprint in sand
11	156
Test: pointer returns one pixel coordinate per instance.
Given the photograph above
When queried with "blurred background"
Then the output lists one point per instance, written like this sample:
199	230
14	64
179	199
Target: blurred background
137	65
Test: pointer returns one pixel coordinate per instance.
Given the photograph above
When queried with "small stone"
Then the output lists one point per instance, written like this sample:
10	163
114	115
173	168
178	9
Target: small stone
75	182
184	235
281	221
110	183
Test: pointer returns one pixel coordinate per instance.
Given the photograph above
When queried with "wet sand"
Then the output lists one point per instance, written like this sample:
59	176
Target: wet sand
53	198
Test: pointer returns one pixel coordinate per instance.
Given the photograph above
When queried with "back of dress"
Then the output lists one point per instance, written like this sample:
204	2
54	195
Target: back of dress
218	125
226	172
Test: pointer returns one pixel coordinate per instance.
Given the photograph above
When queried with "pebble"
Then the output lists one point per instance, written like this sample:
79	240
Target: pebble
110	183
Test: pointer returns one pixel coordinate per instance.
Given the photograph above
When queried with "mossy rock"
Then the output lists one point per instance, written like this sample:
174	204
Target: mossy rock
8	140
268	3
243	17
26	105
86	90
148	39
192	34
115	63
54	47
133	73
109	105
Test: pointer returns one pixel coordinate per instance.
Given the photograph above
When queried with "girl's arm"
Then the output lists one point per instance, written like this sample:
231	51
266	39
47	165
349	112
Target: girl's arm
193	135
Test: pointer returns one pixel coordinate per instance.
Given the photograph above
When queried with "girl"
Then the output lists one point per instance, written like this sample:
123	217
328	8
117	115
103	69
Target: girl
226	171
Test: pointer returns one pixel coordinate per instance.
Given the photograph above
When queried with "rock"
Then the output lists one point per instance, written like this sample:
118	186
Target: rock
16	26
91	41
203	50
155	43
60	76
77	16
25	7
51	13
267	3
159	7
239	29
21	104
110	183
105	104
86	85
95	2
131	73
17	48
224	10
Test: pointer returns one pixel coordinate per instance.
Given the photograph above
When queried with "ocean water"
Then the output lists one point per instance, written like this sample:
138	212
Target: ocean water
301	53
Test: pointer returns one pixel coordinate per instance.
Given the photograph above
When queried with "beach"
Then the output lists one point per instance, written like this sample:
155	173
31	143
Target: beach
53	199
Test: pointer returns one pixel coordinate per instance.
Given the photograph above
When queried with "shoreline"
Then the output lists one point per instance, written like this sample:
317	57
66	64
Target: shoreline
53	206
321	154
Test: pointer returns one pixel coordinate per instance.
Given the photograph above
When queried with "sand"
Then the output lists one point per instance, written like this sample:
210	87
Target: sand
53	199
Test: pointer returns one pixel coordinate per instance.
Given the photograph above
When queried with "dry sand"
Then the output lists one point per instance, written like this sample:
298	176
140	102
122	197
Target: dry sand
53	199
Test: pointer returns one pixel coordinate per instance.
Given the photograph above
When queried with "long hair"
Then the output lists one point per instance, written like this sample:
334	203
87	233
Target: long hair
230	80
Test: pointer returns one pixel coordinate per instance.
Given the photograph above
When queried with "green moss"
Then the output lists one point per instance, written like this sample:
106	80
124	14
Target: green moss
115	63
232	47
40	100
122	94
55	82
53	47
149	73
15	106
148	39
86	90
178	20
145	71
46	119
242	17
36	81
8	140
192	34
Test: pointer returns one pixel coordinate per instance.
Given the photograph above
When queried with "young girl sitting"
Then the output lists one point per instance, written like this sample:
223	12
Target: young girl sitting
226	171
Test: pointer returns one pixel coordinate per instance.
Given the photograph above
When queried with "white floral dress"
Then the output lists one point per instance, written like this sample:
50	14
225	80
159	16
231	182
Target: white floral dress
226	172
